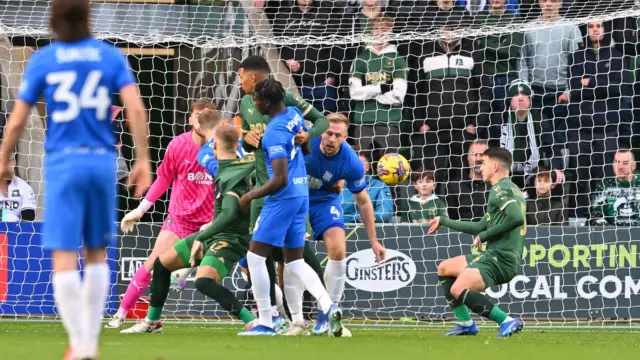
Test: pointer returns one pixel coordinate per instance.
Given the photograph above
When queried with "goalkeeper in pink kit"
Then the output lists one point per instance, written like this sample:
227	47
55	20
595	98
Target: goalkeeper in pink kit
189	206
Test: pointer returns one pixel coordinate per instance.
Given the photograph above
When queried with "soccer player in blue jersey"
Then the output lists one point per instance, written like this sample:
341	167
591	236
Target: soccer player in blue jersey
282	221
331	160
78	76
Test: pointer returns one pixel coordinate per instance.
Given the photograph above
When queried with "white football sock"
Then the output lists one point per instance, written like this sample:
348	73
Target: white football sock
311	283
182	274
67	291
509	318
260	285
293	289
95	289
335	275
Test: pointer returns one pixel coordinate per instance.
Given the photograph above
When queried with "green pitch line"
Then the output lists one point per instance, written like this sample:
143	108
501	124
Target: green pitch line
348	236
184	342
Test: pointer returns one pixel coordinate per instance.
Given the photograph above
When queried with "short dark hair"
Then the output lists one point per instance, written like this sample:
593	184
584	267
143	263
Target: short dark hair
271	91
227	138
202	104
255	63
627	150
69	20
501	155
423	174
544	171
366	155
208	119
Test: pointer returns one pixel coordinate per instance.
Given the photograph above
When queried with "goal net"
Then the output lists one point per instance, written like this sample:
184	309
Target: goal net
553	82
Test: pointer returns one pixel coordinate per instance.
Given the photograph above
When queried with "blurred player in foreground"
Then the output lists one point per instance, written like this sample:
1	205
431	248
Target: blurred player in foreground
282	221
503	228
331	159
252	70
189	207
78	76
217	248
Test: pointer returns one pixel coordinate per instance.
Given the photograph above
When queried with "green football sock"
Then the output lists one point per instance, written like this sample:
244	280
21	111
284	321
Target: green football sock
481	305
224	297
159	290
461	311
498	315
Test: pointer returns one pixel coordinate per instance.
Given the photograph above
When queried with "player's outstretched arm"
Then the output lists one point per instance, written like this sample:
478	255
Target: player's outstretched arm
141	172
468	227
514	218
365	206
230	211
278	181
12	131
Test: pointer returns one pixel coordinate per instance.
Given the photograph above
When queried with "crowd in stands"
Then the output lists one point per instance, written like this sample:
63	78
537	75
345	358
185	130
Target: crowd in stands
560	97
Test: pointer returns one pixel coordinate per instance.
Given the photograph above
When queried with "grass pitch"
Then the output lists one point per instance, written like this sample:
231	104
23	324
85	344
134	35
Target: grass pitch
25	341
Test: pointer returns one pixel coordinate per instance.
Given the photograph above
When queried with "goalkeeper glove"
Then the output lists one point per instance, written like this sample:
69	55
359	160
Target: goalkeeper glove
132	217
385	88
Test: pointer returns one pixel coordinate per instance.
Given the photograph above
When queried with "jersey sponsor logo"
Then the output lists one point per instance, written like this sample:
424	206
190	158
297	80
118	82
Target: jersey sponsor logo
276	150
314	183
299	180
327	176
396	272
201	178
15	193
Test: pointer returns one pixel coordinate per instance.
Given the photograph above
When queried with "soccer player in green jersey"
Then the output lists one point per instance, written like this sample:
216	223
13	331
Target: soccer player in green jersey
503	228
252	70
215	249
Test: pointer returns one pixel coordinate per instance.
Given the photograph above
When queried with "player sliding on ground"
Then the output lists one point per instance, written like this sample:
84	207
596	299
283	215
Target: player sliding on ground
331	159
282	221
189	207
503	228
252	70
78	75
217	248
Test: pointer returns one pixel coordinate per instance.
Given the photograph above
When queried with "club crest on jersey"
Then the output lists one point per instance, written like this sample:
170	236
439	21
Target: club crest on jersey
15	193
327	176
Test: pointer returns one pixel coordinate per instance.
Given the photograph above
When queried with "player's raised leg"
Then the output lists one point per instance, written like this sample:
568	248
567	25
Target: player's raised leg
213	269
468	287
448	271
142	278
170	260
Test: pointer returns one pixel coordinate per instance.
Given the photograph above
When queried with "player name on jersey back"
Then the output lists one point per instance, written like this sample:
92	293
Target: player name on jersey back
279	142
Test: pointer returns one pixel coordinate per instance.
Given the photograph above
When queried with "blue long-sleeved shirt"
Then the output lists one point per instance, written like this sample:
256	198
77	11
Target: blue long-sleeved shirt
381	199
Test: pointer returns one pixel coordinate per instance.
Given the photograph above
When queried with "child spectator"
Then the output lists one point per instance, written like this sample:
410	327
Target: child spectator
379	193
425	205
543	208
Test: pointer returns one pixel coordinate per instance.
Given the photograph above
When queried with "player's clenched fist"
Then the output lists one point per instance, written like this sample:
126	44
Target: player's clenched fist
434	224
379	251
130	219
252	138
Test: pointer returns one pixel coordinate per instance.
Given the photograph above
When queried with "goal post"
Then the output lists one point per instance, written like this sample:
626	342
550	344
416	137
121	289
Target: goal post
574	273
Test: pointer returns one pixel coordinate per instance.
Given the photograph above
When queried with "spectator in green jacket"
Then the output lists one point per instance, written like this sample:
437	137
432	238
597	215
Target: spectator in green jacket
425	205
